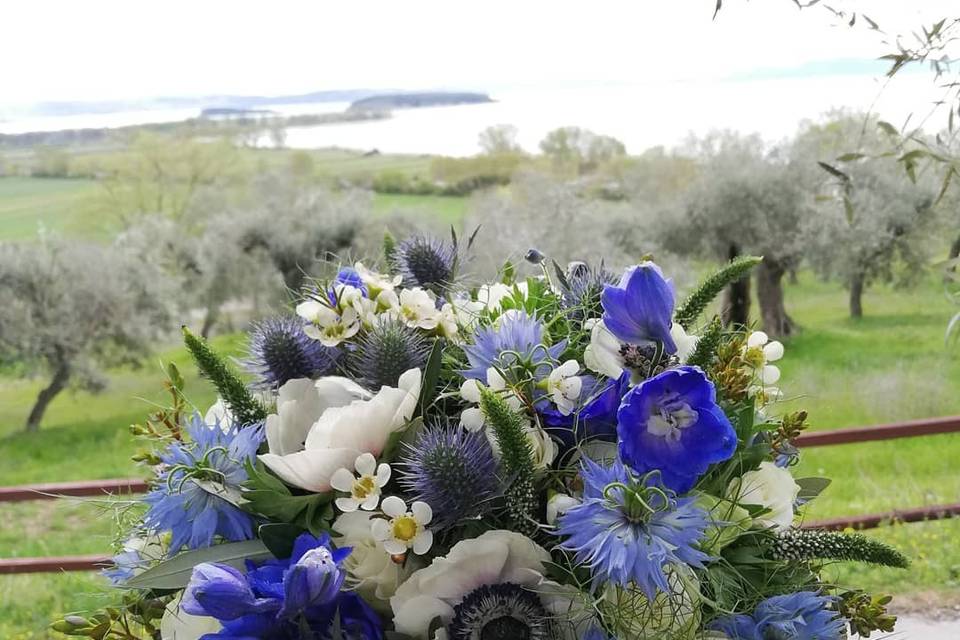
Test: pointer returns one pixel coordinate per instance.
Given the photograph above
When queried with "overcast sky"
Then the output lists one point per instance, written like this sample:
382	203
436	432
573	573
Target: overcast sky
95	50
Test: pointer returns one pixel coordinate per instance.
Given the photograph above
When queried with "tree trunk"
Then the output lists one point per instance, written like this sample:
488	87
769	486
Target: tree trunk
60	378
856	295
210	318
735	309
776	321
952	255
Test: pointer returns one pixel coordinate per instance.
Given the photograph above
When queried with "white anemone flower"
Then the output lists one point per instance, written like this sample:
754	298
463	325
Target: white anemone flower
364	488
564	385
300	403
342	433
326	324
418	309
602	355
405	529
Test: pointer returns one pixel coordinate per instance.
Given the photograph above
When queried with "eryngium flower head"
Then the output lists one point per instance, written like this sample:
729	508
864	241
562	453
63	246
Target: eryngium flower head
582	287
504	611
451	469
516	337
804	615
426	262
384	352
623	543
194	516
280	351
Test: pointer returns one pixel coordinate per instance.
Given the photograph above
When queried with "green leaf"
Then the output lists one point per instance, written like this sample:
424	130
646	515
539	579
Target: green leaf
836	173
175	573
812	487
431	376
278	537
888	128
849	157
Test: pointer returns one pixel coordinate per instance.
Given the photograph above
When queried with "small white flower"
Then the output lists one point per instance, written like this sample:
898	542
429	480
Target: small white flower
326	325
376	282
405	529
364	488
558	504
685	342
471	418
417	309
492	295
602	355
564	385
759	352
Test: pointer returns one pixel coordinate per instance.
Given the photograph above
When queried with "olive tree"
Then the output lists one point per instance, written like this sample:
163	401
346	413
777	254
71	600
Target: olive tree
71	309
580	150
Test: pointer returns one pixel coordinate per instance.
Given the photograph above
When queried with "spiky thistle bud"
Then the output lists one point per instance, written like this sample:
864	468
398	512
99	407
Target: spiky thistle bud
281	351
516	459
426	262
385	352
246	409
707	290
810	544
451	469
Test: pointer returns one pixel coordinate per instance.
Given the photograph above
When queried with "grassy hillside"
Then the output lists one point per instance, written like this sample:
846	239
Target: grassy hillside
891	365
61	205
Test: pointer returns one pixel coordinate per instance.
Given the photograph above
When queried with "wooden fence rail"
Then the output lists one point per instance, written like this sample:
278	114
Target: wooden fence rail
127	486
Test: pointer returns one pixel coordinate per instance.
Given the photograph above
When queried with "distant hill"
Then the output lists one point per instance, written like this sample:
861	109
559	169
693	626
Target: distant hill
389	101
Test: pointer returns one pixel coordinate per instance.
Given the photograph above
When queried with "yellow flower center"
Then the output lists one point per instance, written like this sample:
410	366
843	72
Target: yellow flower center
363	487
405	528
754	357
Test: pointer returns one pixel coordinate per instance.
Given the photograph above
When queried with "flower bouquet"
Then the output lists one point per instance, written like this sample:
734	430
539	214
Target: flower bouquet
570	455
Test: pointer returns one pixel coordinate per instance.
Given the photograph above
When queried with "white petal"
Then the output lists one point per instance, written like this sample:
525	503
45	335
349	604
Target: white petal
393	506
602	355
309	309
569	368
494	380
414	617
757	339
423	542
394	547
383	474
366	464
773	351
573	388
472	419
310	469
371	503
347	505
342	479
470	390
380	530
421	512
769	374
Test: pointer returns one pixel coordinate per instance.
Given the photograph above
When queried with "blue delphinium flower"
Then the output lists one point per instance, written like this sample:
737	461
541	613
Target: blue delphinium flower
672	423
639	310
804	615
282	599
517	338
280	351
451	469
631	530
426	262
195	516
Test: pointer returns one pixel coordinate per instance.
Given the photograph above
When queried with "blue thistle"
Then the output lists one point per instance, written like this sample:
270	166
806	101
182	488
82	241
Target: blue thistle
517	338
280	351
426	262
194	516
385	352
581	288
451	469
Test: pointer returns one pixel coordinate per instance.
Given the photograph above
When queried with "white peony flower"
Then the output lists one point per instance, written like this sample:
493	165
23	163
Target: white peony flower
364	489
342	433
371	571
405	529
494	557
769	486
558	504
418	309
326	324
602	355
685	343
563	386
177	624
300	403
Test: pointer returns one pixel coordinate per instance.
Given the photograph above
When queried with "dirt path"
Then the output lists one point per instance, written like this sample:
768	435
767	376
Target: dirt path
914	628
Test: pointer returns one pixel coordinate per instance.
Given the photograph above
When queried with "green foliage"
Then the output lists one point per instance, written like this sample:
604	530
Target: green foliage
806	544
706	291
516	460
706	349
246	409
264	495
134	618
866	613
175	573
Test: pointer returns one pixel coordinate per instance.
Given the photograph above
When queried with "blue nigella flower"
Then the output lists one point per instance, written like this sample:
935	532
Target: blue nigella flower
596	633
280	351
194	516
282	599
799	616
351	277
639	309
426	262
517	338
672	423
631	530
451	469
594	419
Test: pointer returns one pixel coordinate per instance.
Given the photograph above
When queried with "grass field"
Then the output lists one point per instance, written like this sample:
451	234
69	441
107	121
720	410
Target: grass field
890	365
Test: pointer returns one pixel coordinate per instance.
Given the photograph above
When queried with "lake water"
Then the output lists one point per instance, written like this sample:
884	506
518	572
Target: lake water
639	115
